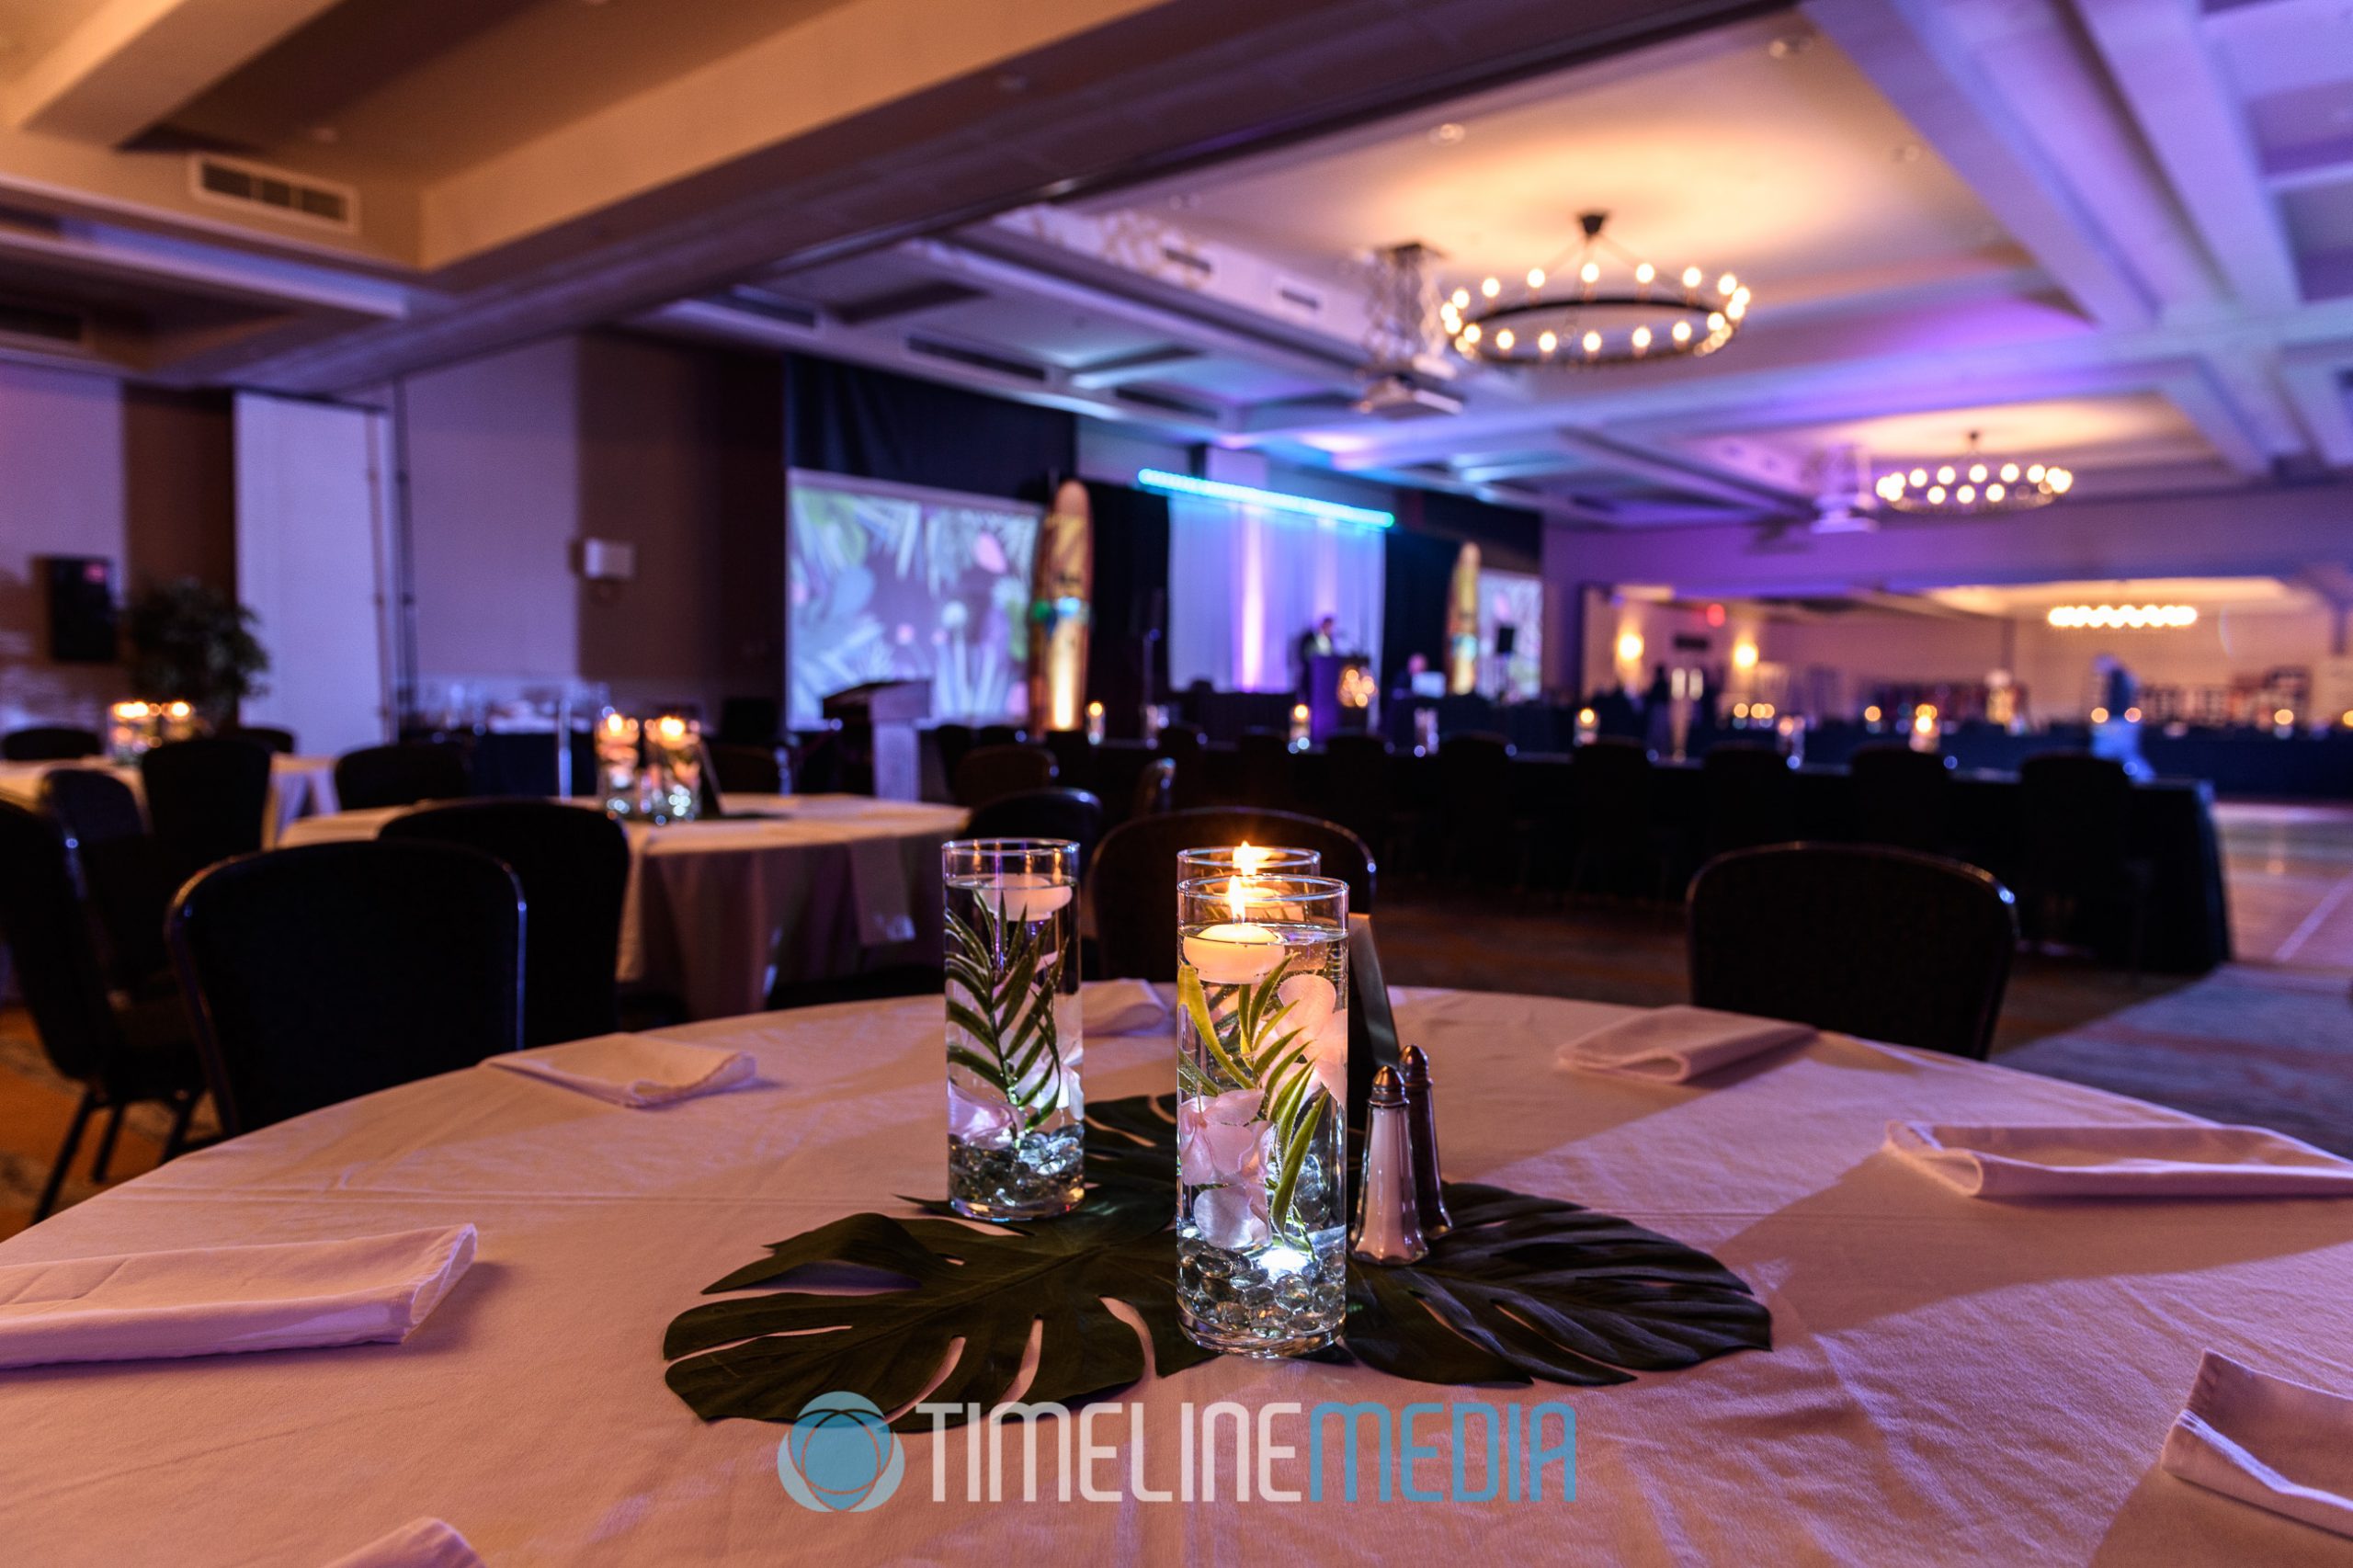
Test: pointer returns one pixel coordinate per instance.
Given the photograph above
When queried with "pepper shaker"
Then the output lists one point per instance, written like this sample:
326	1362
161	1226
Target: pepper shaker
1430	1196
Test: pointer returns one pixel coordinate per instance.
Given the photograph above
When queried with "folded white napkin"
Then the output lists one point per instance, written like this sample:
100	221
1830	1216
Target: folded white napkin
420	1543
631	1069
1679	1043
221	1301
2264	1440
2192	1159
1121	1006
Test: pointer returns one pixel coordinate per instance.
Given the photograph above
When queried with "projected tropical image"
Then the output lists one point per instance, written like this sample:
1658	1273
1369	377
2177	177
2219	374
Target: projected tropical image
900	584
1515	599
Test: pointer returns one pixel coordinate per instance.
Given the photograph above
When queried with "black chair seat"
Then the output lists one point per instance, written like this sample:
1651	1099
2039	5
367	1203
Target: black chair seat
48	742
121	1050
1132	888
1886	944
333	970
572	865
403	775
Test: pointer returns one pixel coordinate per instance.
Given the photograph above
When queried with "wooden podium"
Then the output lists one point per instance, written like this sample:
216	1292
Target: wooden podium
878	741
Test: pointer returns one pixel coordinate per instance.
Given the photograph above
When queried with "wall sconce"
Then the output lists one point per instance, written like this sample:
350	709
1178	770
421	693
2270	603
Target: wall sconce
604	564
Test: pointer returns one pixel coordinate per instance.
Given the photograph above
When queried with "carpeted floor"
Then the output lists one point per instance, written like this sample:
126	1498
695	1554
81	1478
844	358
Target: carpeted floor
2267	1039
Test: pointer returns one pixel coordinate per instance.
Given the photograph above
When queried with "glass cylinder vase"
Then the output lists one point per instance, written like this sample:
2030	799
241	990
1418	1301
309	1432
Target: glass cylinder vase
1249	860
1016	1147
1261	1092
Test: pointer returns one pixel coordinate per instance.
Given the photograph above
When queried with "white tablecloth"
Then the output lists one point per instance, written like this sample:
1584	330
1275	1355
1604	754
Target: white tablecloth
299	787
829	885
1953	1382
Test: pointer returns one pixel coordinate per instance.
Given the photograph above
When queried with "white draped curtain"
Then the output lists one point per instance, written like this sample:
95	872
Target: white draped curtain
1244	582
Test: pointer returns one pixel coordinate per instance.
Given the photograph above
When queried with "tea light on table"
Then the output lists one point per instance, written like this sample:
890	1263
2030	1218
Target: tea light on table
1234	952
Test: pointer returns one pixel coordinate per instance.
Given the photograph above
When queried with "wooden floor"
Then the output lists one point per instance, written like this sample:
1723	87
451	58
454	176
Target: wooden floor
2266	1040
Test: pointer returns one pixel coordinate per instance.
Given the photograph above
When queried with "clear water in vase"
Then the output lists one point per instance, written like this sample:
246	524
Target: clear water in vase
1015	1107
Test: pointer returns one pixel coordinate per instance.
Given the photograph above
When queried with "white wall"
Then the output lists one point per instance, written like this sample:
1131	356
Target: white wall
312	517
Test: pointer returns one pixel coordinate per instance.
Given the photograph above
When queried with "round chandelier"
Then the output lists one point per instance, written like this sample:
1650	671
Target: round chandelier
1596	304
1974	484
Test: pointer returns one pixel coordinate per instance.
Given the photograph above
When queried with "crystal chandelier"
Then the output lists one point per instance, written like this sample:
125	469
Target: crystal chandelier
1596	304
1972	485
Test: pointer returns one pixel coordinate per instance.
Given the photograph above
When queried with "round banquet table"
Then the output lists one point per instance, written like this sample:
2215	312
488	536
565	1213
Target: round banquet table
797	888
1951	1381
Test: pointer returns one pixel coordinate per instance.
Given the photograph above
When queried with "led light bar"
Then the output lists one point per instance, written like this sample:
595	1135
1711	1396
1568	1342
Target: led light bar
1272	500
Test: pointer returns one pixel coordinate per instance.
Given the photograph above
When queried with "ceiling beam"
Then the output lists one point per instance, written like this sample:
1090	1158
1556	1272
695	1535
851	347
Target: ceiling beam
134	61
2316	380
2159	58
1686	475
1913	54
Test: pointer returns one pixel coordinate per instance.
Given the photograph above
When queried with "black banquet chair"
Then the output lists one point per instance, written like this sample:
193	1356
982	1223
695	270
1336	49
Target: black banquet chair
48	742
1612	789
319	974
1074	815
402	775
573	866
269	737
127	878
1887	944
206	799
1474	794
1751	796
1132	886
747	769
1902	797
2076	863
1154	792
1266	765
120	1051
990	773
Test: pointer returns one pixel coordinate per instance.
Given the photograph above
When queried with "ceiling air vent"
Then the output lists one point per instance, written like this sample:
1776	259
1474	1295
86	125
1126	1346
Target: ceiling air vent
277	191
47	324
978	358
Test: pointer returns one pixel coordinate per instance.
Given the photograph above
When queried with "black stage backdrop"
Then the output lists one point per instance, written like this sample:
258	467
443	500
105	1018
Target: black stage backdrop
872	424
1131	570
1415	570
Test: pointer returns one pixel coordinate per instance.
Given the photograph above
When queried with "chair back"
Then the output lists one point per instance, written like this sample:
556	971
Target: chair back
1156	789
1074	815
1613	784
749	720
1187	746
1073	755
270	738
990	773
1888	944
127	877
1474	770
1266	766
400	775
999	735
2074	810
1902	797
573	866
335	970
1133	885
48	742
1356	784
56	963
206	799
747	769
1751	796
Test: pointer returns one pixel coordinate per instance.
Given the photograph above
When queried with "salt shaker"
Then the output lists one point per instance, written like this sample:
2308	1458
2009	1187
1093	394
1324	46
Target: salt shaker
1389	1226
1430	1196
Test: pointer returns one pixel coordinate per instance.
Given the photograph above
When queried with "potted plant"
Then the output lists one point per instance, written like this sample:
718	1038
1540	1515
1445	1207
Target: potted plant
195	644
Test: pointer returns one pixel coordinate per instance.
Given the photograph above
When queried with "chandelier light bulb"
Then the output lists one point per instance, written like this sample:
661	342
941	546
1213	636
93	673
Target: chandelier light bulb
1641	338
1461	298
1491	287
1471	333
1715	320
2009	473
1590	272
1593	343
1965	494
1683	331
1945	475
1691	276
1536	278
1994	492
1977	474
1935	494
1727	283
2060	479
1644	273
2034	474
1504	339
1738	308
1548	341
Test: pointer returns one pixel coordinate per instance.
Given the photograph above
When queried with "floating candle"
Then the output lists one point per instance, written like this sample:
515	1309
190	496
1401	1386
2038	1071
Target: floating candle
1235	952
